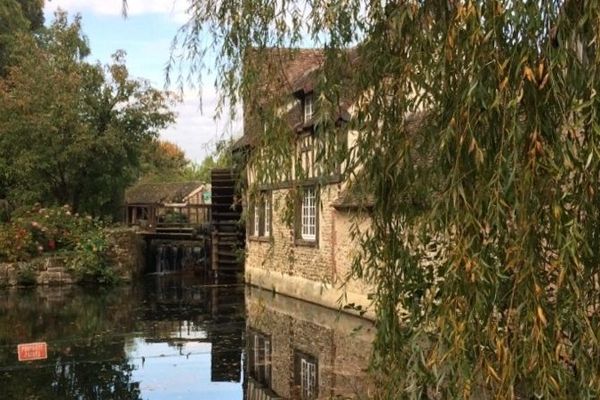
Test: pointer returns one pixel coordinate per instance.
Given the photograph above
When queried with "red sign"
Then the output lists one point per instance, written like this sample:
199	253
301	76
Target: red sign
32	351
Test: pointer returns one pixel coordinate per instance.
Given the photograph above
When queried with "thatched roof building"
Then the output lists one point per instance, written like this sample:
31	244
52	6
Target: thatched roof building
163	193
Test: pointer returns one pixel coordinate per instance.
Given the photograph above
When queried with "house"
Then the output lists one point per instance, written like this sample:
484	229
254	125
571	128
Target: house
147	204
299	219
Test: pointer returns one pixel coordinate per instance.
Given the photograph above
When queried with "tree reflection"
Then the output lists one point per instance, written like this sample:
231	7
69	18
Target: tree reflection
98	339
86	360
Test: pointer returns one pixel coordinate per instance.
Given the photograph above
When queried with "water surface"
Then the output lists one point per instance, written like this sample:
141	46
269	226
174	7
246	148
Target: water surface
171	337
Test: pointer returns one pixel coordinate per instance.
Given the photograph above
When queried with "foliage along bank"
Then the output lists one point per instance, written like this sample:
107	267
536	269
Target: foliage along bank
80	242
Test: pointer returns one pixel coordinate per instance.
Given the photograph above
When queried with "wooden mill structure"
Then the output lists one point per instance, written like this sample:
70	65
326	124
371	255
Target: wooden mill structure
227	228
216	226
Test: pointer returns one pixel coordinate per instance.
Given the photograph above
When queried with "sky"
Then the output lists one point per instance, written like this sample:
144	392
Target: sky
146	36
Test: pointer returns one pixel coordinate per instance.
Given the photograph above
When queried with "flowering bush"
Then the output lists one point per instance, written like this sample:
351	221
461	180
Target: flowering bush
16	243
34	231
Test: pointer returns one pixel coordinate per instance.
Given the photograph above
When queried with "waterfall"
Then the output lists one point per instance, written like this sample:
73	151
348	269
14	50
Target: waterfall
160	259
177	257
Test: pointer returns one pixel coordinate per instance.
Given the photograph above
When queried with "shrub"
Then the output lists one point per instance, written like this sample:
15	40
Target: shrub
89	263
17	243
26	274
36	230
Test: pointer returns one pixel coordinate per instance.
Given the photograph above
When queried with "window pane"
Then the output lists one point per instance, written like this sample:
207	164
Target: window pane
256	219
308	108
309	213
267	212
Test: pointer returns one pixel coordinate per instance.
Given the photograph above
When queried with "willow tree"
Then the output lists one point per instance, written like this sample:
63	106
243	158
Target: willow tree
498	179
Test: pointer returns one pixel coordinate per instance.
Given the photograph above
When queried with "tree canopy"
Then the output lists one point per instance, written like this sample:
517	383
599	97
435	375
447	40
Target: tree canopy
72	131
17	16
486	267
163	161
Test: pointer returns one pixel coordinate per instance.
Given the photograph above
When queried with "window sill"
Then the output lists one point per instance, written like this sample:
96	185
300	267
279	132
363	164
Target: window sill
263	239
306	243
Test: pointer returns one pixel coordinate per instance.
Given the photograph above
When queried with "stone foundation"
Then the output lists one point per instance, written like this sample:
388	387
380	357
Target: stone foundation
49	270
320	293
127	253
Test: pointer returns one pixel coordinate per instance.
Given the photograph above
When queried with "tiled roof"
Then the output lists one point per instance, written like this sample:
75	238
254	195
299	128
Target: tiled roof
280	74
160	193
278	68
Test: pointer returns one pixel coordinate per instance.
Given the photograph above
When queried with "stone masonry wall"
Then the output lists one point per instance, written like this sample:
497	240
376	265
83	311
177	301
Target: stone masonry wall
347	248
329	262
127	252
281	254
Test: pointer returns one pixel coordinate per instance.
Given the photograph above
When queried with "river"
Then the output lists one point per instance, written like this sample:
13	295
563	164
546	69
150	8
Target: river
171	337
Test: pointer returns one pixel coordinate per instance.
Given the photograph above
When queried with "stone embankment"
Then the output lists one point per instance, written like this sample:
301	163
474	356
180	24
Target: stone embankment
126	257
50	270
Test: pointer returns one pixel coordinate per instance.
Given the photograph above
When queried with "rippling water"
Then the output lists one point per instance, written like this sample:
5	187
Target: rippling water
170	337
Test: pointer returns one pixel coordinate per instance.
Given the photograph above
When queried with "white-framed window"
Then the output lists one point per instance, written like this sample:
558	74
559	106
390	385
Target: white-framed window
308	379
257	218
261	215
260	358
308	108
306	375
267	214
308	215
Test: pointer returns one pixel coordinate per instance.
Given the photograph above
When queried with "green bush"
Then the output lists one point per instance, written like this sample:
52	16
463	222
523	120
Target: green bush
26	274
34	231
89	263
17	243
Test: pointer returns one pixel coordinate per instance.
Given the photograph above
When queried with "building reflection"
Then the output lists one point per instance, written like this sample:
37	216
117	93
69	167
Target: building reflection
297	350
181	314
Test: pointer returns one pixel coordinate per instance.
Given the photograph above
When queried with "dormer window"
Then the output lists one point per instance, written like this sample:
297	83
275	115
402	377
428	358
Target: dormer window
308	108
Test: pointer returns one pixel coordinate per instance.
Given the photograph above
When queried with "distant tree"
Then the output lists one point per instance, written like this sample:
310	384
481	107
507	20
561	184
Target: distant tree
73	131
12	22
33	10
162	160
16	17
220	158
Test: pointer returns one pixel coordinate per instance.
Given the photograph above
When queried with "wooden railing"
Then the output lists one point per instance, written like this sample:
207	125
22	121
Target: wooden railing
152	216
191	214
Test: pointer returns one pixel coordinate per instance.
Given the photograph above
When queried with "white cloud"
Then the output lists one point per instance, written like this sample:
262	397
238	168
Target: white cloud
196	131
175	9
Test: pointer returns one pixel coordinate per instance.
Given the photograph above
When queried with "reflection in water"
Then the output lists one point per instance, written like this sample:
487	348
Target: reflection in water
172	338
168	338
299	350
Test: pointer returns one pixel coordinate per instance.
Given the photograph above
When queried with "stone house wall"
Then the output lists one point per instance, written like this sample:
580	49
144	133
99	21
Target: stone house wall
317	272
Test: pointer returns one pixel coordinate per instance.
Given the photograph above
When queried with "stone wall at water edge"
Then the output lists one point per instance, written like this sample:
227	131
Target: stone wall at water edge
314	272
126	256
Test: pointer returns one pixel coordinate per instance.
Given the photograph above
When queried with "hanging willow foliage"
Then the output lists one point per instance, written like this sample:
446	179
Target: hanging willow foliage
480	137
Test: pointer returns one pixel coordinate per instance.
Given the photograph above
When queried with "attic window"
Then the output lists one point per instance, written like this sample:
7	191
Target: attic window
308	107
